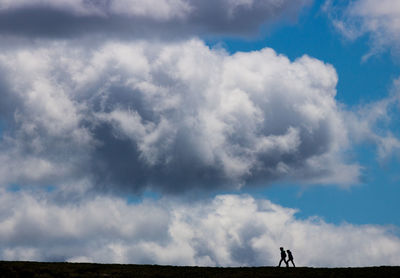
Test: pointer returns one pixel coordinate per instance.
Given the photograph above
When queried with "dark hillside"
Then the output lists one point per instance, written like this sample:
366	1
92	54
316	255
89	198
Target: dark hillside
60	270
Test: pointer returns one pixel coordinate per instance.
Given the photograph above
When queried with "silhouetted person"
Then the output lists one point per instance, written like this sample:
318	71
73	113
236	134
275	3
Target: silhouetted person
290	258
283	257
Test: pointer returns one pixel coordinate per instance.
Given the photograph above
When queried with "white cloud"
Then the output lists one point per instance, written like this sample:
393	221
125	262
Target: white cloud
145	18
158	9
378	19
173	116
226	231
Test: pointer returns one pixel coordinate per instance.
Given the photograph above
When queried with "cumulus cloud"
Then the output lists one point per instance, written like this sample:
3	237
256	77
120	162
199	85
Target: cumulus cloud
140	17
377	19
171	117
228	230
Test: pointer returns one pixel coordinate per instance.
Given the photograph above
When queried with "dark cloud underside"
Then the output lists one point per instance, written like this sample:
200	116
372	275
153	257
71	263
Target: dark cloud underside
172	19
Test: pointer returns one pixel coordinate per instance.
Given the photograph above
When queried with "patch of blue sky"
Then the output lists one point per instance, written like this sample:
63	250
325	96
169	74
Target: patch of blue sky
145	195
2	128
15	187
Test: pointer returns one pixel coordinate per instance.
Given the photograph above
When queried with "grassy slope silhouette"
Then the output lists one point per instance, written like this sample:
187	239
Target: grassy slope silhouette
46	270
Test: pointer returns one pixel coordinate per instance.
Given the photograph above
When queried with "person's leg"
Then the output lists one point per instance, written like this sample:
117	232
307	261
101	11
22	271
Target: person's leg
280	262
287	263
293	263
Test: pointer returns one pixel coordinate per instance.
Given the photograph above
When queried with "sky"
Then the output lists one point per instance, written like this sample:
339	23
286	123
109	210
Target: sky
204	133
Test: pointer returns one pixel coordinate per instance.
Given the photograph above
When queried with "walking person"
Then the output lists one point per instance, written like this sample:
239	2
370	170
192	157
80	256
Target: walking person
283	257
290	258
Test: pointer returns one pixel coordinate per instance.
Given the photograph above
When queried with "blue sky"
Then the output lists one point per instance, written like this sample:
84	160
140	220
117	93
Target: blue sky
208	132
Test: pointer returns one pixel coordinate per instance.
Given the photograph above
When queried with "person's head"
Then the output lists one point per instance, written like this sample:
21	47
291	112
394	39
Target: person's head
281	248
288	251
